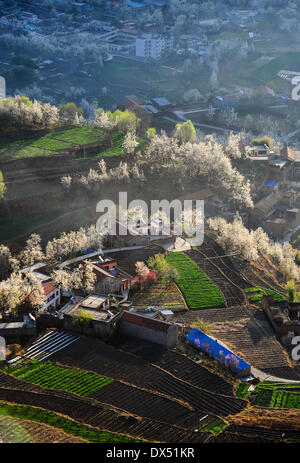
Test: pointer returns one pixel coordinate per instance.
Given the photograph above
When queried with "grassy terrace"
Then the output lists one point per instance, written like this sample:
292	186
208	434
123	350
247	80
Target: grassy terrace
51	143
69	426
53	376
197	288
255	294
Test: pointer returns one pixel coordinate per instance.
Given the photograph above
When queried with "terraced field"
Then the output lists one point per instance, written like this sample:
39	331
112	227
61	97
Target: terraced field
114	425
180	366
16	430
52	143
159	294
255	435
157	401
210	259
276	395
56	421
198	290
107	361
248	333
56	377
256	293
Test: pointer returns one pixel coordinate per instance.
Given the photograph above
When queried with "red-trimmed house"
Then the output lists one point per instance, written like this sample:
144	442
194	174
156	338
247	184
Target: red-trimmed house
111	279
52	297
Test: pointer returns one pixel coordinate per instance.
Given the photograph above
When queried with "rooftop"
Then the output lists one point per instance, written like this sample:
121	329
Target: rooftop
94	301
48	288
146	322
162	101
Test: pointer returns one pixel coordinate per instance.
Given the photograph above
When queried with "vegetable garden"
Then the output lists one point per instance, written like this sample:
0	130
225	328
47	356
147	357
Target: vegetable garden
255	294
51	376
197	288
272	394
69	426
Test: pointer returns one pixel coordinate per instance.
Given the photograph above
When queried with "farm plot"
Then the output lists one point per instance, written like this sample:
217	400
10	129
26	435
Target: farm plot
16	430
59	422
277	395
52	143
220	273
93	355
180	366
197	288
212	424
255	294
159	294
56	377
285	372
253	434
103	419
247	332
147	404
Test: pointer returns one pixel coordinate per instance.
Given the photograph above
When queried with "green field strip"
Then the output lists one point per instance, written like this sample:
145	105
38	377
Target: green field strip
199	291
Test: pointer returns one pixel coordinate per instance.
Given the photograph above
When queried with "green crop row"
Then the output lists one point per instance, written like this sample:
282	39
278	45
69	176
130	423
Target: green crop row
212	424
52	376
69	426
255	294
273	385
242	390
198	290
278	395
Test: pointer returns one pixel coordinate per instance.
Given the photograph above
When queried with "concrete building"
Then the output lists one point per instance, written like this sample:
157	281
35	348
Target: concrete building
265	207
153	47
52	293
26	328
148	329
284	318
91	316
111	279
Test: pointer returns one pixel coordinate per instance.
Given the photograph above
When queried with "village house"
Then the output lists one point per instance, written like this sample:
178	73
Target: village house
22	329
161	103
278	211
91	316
259	152
52	297
110	278
138	326
284	318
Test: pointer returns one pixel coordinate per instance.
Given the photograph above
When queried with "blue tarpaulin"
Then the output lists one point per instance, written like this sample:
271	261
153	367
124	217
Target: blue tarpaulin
217	351
271	184
89	251
136	4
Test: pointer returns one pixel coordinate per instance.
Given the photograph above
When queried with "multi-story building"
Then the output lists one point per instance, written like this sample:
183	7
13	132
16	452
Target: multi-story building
153	47
52	296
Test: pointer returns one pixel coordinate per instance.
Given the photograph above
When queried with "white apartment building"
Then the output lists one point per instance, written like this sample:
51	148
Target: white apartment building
153	47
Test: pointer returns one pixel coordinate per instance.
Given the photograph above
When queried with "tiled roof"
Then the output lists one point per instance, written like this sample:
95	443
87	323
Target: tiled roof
288	153
48	288
145	322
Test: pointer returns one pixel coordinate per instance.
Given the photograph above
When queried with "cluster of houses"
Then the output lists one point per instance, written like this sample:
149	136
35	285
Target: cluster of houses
106	309
284	317
277	206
